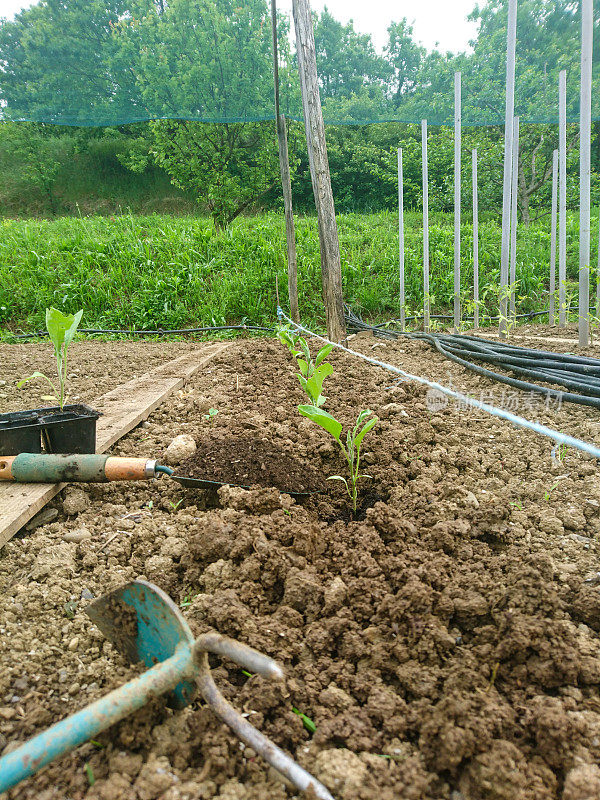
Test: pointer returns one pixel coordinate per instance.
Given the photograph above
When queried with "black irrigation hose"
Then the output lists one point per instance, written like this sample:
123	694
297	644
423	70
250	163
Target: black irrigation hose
578	373
158	332
528	315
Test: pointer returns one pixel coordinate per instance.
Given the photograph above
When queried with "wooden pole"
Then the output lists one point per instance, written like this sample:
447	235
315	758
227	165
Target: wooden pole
331	269
513	216
511	38
425	226
286	182
457	182
562	198
475	244
585	128
552	298
401	240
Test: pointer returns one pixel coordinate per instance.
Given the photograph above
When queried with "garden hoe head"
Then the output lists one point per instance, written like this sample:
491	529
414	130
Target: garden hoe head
145	625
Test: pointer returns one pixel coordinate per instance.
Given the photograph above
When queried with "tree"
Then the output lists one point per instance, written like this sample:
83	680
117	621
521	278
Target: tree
58	62
39	151
404	56
208	60
346	60
230	167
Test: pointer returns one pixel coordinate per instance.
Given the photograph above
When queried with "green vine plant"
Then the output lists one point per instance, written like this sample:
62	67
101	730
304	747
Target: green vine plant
312	373
501	294
61	329
467	307
365	422
571	295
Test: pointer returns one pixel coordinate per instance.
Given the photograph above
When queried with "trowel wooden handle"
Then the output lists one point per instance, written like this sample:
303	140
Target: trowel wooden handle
87	468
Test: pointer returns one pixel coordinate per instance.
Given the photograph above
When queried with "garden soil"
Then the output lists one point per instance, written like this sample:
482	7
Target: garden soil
445	643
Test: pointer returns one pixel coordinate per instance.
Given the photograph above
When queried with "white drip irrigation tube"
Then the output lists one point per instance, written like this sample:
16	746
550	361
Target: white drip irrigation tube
519	422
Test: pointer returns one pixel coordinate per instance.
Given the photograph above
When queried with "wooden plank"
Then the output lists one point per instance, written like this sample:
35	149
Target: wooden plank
123	409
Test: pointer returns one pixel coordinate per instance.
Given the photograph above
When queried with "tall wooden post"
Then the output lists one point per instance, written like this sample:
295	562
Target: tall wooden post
286	182
562	199
401	240
331	269
552	304
511	38
475	244
426	308
457	182
585	128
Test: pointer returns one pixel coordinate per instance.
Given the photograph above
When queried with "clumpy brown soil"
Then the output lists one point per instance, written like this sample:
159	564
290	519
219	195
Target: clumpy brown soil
233	457
446	646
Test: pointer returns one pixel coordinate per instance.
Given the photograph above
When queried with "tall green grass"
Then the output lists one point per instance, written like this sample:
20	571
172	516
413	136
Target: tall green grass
163	271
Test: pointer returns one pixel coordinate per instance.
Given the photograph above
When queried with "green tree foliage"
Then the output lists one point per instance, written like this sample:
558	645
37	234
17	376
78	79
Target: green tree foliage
230	167
346	60
405	57
35	154
58	63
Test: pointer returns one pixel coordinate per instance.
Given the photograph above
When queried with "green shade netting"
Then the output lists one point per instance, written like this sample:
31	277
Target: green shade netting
111	62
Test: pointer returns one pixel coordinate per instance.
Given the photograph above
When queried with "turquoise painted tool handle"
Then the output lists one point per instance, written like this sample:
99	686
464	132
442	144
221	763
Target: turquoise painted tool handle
77	729
87	468
49	468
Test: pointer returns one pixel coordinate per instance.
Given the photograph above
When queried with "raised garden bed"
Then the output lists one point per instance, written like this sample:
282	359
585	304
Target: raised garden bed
445	646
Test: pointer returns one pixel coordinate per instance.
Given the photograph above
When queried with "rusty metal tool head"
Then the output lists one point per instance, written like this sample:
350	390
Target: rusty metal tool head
145	625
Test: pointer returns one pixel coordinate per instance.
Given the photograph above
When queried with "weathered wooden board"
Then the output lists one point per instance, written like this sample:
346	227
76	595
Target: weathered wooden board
122	409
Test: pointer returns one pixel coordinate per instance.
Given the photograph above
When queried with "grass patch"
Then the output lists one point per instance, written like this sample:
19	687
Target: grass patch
168	272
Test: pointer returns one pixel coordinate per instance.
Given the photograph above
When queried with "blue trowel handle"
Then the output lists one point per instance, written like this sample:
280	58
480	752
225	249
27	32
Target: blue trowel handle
77	729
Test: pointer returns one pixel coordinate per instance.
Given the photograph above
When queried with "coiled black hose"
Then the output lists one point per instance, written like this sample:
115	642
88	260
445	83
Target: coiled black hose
579	374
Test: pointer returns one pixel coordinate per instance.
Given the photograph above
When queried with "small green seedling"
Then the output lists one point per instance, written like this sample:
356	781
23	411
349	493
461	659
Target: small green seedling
61	329
559	452
89	772
312	373
351	449
548	494
212	413
306	721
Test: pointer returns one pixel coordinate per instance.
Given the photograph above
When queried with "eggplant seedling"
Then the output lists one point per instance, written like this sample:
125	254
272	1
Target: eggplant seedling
312	373
61	329
212	413
351	450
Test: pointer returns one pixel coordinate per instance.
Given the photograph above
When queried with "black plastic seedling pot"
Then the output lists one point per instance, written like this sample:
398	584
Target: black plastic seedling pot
19	433
71	429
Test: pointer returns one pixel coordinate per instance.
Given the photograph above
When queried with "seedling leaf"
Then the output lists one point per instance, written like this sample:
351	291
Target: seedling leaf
322	418
62	327
322	355
366	428
303	367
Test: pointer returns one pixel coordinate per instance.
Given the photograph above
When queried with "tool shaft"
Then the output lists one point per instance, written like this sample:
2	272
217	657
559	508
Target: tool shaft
91	720
86	468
